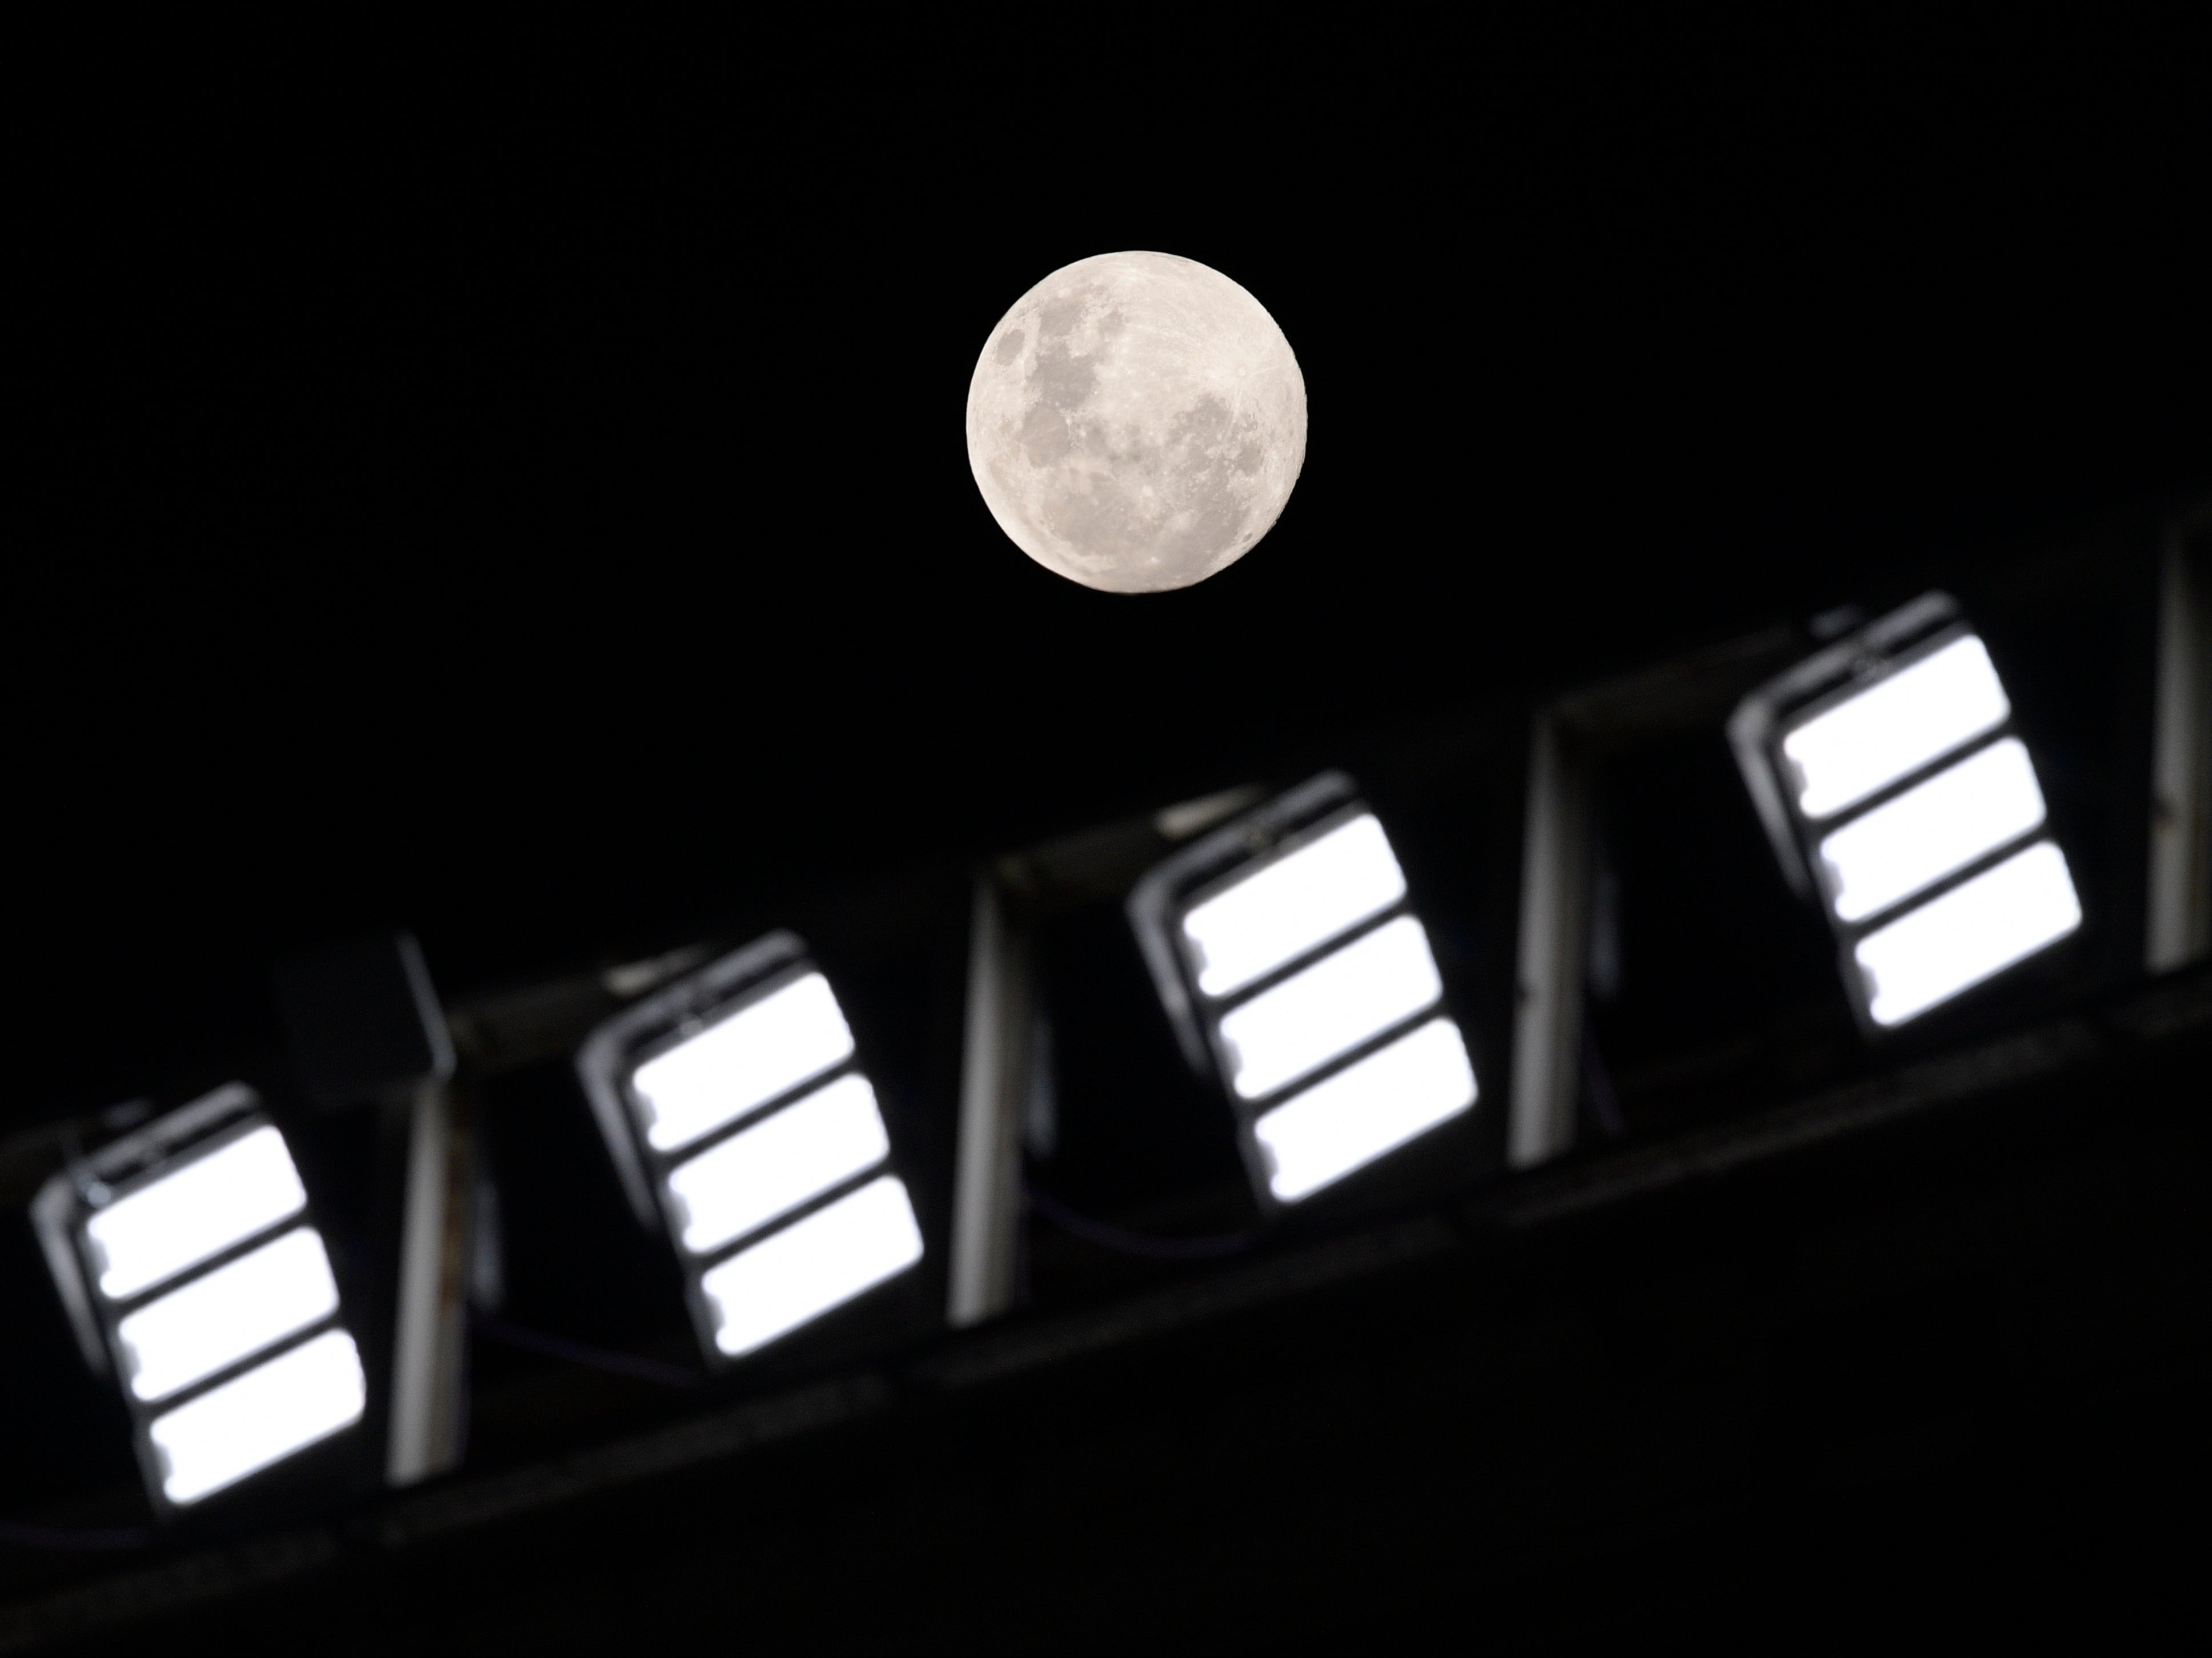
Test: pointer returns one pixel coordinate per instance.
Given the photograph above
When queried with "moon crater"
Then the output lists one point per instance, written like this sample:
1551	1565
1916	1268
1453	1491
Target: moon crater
1136	422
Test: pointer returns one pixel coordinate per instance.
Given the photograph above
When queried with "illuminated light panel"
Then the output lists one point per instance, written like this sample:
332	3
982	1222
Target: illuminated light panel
1336	1003
237	1309
1973	932
1924	835
794	1276
201	1209
1293	904
264	1416
742	1063
1840	757
1365	1110
769	1169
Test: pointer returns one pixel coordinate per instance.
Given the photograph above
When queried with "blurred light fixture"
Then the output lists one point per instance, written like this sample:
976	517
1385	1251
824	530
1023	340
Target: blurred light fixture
193	1274
1895	790
733	1107
1293	972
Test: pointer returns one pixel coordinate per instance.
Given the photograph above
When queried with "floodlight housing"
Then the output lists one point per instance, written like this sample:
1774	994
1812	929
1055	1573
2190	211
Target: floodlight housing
743	1127
1298	978
1897	793
194	1273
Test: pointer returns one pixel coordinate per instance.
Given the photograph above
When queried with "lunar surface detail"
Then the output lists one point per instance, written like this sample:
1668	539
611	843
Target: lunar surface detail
1136	422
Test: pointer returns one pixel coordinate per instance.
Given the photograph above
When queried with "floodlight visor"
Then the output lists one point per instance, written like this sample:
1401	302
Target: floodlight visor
1300	1024
1899	724
741	1062
185	1217
1910	843
766	1171
1287	908
1970	934
1365	1111
236	1310
818	1263
271	1412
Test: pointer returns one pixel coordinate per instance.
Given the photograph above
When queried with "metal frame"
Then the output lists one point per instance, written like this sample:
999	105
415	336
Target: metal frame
1006	1064
610	1056
1841	672
69	1201
2177	926
1570	738
1232	853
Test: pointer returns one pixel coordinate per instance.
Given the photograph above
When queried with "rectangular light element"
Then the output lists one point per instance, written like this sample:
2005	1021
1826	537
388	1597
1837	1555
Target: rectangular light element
1365	1110
1920	837
264	1416
1894	727
1971	933
763	1050
1336	1003
771	1169
235	1310
1292	905
823	1261
201	1209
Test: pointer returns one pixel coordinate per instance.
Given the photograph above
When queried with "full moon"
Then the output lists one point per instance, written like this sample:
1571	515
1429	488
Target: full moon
1136	422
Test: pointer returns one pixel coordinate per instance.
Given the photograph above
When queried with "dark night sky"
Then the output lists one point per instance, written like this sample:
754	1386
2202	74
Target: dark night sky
525	500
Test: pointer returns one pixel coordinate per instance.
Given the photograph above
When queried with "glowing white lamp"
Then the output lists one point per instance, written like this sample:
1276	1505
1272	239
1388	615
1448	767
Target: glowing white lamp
225	1315
1288	908
1912	805
742	1062
1859	747
1292	970
817	1264
295	1400
1971	933
746	1133
1908	844
761	1173
206	1290
199	1211
1340	1001
1371	1107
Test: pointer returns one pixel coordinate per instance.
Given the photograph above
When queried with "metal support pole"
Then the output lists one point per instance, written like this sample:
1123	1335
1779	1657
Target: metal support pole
1554	941
430	1317
993	1073
2179	922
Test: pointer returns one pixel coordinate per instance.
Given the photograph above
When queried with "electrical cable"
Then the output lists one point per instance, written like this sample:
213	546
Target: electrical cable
1144	1244
596	1359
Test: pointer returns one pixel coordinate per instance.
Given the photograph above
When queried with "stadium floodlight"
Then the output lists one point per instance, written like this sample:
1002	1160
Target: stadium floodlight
194	1273
733	1106
1294	974
1896	791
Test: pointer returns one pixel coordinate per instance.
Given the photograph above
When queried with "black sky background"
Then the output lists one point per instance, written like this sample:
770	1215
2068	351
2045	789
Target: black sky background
513	488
